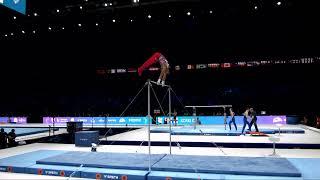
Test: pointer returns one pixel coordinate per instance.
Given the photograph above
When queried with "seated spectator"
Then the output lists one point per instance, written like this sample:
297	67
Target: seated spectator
3	139
12	138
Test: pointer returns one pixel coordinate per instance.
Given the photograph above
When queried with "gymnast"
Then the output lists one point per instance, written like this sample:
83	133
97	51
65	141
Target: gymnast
225	118
232	119
157	57
175	118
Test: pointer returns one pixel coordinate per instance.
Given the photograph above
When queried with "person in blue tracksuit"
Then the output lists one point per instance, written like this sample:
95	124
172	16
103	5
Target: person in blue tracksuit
245	120
232	119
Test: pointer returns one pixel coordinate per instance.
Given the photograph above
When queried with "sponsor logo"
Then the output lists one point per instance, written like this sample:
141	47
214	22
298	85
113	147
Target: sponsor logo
277	119
107	176
21	120
50	120
122	120
63	120
112	120
51	172
135	120
83	139
186	120
207	134
3	169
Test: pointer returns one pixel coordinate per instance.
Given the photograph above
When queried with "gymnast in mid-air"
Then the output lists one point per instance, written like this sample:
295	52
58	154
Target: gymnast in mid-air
157	58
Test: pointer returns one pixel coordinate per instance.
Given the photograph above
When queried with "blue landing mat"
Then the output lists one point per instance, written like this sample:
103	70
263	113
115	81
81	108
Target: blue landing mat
161	175
103	160
19	162
176	163
26	163
309	167
258	166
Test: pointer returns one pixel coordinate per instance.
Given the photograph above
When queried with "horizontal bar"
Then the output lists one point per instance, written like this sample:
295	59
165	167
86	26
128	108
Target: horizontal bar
159	84
215	106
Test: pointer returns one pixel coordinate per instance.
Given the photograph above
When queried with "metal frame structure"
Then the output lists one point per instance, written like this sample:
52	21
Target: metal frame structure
149	84
195	111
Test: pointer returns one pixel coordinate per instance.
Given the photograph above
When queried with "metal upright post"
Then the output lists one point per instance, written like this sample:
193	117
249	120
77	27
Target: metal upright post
274	149
53	122
106	124
149	143
105	121
92	121
195	117
225	118
169	89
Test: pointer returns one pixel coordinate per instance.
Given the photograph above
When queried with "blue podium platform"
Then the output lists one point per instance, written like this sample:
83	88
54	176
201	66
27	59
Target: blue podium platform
86	138
218	131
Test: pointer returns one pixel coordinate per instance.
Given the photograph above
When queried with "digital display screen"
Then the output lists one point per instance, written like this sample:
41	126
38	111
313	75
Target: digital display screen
181	120
218	120
98	120
16	120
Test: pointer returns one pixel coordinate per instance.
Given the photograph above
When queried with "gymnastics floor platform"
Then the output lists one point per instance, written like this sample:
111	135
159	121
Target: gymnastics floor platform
103	165
295	136
217	131
23	131
306	161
